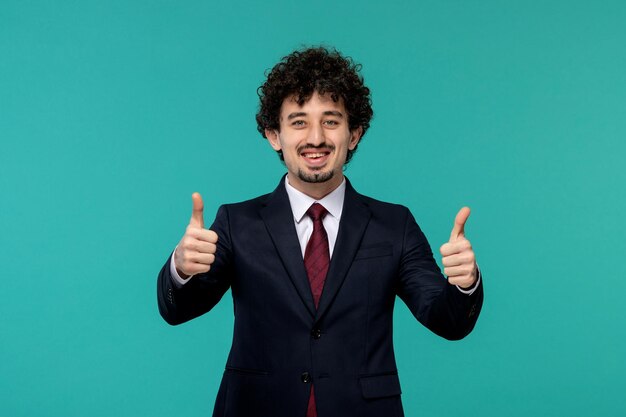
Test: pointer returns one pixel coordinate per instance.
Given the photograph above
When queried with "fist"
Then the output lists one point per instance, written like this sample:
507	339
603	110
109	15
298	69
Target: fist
458	257
196	250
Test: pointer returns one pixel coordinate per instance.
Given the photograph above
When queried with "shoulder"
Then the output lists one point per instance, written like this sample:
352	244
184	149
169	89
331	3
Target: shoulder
251	203
385	217
381	208
278	195
240	216
379	205
247	206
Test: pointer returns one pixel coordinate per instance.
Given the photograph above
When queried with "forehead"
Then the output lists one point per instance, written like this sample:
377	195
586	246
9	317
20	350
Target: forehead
316	103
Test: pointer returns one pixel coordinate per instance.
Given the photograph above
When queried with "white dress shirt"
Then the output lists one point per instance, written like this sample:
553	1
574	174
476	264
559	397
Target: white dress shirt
300	203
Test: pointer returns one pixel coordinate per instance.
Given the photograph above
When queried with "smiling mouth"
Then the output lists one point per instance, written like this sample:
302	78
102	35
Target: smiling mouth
314	155
315	160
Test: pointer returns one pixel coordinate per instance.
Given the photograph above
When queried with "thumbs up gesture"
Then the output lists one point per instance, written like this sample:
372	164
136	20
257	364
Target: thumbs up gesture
196	251
457	255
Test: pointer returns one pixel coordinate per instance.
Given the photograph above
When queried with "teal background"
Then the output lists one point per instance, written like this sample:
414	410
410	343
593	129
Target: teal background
113	112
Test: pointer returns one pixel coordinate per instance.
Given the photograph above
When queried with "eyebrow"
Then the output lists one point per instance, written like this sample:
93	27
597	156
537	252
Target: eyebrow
326	113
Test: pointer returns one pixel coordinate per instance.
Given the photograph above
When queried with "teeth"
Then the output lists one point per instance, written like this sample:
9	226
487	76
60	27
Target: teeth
314	155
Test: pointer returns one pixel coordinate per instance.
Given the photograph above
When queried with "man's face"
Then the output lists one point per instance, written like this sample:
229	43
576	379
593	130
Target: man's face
315	139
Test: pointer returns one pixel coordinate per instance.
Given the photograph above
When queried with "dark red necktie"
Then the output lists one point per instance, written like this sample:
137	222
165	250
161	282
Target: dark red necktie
317	255
316	261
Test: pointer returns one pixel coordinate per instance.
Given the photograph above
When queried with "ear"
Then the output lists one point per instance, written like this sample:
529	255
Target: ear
273	139
355	137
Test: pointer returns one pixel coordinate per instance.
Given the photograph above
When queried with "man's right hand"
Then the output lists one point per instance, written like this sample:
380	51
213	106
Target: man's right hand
196	251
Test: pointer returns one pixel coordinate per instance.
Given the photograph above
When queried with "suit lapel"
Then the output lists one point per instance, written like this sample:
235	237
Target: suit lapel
278	219
354	219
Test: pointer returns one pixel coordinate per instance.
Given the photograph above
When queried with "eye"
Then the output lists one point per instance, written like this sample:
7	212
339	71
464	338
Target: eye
297	123
331	123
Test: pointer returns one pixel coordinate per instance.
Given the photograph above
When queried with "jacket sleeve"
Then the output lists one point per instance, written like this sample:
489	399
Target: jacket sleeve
203	291
439	306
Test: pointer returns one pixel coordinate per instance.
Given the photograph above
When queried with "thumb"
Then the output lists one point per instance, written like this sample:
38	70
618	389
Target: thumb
458	231
197	217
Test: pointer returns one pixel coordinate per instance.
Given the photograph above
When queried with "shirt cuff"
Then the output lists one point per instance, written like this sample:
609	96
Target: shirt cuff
176	278
470	291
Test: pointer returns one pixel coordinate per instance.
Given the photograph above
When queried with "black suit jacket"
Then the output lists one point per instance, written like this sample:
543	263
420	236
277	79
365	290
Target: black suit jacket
281	343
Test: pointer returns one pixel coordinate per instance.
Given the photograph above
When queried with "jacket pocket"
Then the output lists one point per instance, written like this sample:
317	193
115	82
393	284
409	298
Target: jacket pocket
379	386
246	371
384	249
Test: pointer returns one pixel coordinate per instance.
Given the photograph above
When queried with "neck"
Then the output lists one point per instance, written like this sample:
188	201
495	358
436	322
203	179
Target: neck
316	190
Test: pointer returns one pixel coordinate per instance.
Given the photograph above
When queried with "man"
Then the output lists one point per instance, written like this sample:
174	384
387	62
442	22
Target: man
314	267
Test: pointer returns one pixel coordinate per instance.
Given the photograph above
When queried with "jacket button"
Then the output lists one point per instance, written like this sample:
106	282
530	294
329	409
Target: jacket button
316	333
305	377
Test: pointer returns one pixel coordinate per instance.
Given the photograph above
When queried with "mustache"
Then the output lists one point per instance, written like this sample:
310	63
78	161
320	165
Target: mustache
313	147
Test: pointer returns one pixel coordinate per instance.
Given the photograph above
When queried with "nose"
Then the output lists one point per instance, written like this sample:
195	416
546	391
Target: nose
316	135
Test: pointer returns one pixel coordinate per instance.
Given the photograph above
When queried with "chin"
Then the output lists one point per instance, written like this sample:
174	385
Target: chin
315	177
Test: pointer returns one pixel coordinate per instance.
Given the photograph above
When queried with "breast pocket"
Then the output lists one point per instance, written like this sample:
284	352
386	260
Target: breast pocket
380	386
374	251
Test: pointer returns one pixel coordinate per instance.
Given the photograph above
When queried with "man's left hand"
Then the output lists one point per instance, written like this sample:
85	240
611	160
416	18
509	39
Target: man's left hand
458	256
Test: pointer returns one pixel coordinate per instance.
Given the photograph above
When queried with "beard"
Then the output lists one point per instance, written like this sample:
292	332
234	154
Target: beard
315	177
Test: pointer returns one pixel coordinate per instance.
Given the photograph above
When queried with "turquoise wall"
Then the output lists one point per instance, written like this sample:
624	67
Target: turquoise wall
113	112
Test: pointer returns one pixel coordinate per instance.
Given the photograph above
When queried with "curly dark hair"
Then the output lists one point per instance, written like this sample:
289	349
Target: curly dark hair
317	69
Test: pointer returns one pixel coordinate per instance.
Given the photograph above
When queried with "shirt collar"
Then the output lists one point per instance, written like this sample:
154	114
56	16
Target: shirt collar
301	202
